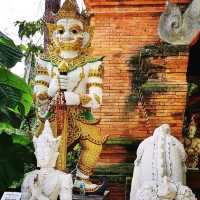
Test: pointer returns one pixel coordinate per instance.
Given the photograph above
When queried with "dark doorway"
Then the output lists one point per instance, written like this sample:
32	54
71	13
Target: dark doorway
193	79
193	73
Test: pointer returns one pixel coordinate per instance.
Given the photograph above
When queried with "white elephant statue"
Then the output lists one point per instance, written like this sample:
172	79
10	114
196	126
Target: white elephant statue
159	172
47	183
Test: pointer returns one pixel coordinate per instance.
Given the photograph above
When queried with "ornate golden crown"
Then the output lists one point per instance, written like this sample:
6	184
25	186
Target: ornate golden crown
70	9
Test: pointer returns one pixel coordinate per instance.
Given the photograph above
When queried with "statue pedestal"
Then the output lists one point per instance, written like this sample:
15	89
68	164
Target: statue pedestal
92	197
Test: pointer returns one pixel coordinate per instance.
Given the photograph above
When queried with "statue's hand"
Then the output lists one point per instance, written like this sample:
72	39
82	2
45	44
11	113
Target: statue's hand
64	82
53	87
43	110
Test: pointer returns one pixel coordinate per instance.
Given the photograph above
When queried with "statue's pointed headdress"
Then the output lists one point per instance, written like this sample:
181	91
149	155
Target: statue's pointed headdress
70	9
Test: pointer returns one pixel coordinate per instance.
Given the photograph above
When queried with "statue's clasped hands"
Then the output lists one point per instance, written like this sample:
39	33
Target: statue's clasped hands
56	83
62	82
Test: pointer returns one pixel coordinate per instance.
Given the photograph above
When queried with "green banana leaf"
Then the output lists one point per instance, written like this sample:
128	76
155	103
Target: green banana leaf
16	158
15	99
16	151
10	54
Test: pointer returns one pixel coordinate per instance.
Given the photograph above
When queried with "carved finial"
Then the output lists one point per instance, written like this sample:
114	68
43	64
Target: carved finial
70	5
70	9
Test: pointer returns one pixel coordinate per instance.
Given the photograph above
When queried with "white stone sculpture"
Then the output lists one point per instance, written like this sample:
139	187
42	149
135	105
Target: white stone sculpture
159	172
46	183
177	28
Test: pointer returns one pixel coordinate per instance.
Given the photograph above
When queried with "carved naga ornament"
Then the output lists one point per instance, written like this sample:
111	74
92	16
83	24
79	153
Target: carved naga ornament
179	28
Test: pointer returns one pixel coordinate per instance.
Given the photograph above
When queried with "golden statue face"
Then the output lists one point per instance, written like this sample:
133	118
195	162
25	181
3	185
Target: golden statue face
69	35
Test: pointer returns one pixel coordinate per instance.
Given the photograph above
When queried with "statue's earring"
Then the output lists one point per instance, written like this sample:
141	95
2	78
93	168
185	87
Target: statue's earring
87	36
51	28
86	39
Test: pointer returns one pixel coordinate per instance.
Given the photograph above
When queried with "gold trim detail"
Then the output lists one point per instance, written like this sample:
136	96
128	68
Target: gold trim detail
82	76
85	99
91	133
62	157
43	96
40	67
41	83
100	85
97	98
66	65
84	168
94	73
70	10
42	72
66	46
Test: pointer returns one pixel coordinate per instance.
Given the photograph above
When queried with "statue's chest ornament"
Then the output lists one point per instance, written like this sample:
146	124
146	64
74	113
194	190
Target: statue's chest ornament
68	65
73	68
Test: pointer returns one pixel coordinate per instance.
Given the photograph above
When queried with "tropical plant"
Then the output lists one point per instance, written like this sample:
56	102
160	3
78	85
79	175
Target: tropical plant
31	45
16	149
15	94
29	29
16	152
16	158
31	48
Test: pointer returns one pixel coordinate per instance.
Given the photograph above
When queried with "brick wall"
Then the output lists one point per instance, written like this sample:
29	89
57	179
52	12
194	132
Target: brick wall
122	28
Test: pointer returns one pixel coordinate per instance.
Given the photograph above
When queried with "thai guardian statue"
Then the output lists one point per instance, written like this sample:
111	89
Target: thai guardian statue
47	183
159	171
68	85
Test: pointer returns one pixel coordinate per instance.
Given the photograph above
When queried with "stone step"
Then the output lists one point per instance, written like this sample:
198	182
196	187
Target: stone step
118	150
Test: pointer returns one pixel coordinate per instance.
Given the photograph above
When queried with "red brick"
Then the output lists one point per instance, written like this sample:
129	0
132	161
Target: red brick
122	28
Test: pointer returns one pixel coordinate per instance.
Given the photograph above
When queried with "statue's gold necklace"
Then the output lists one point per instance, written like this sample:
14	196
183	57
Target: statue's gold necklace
66	65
